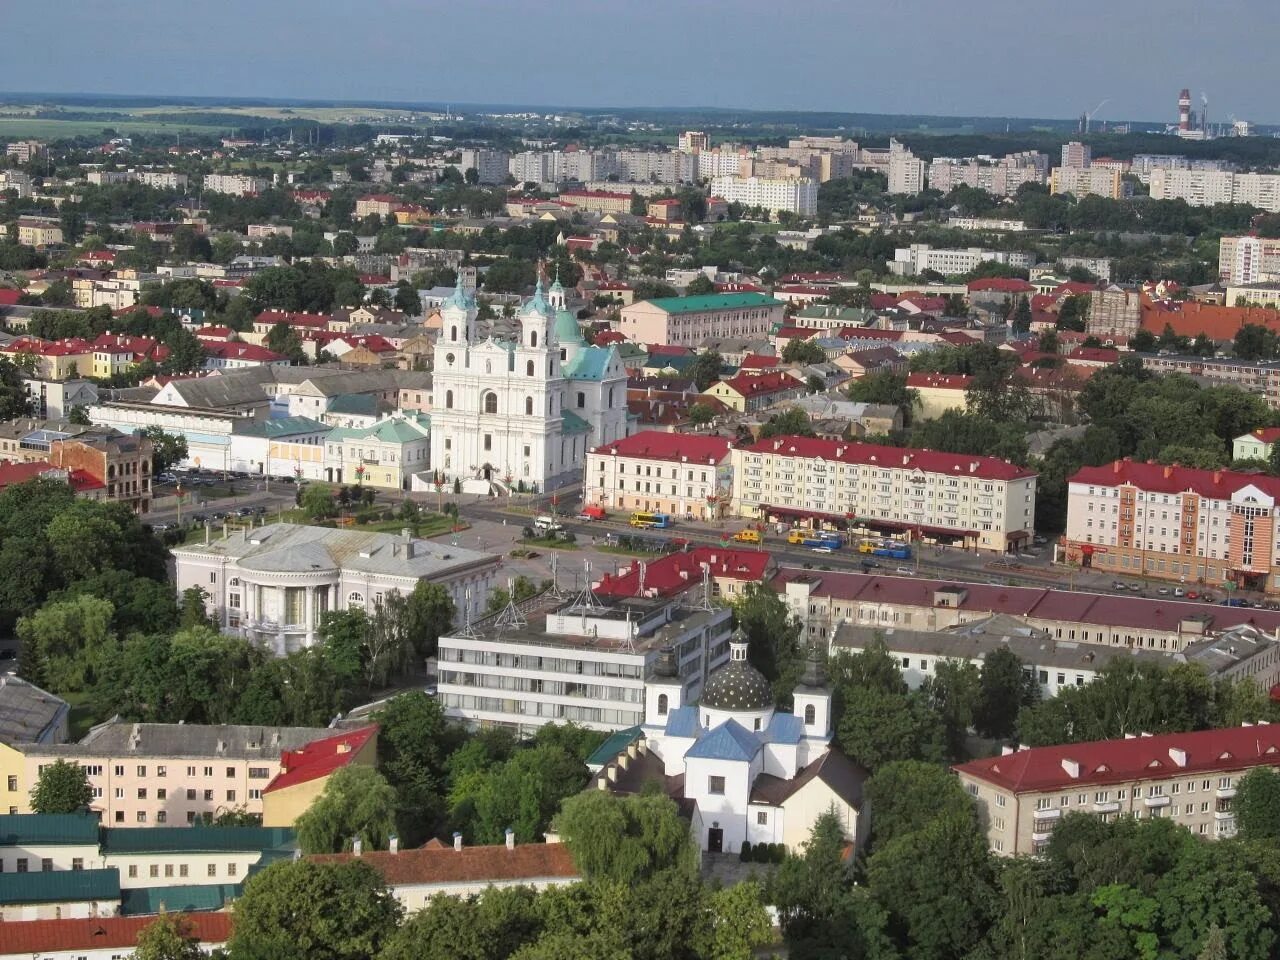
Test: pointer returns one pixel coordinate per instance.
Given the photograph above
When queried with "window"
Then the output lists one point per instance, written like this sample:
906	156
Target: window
22	864
208	796
77	863
162	771
528	406
13	784
133	871
142	793
810	714
142	816
231	869
46	865
662	704
448	399
259	773
162	794
231	771
488	441
490	402
191	794
715	785
762	819
528	369
155	870
168	869
582	399
162	817
119	816
208	771
231	796
182	869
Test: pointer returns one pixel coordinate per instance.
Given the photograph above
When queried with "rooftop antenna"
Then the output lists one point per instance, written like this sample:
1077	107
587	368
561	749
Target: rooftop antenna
640	587
468	629
703	601
586	600
510	618
555	592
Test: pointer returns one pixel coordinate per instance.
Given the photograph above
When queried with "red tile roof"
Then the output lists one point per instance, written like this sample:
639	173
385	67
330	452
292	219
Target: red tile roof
939	381
319	758
12	471
9	298
756	384
37	937
796	333
667	350
1137	758
1163	478
1217	322
214	331
1094	355
438	863
757	361
235	350
657	445
929	461
1267	434
867	333
677	572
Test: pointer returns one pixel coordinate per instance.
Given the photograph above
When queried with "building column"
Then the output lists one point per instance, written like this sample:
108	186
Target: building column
309	614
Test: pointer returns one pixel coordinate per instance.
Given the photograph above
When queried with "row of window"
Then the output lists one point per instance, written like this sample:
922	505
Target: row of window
160	770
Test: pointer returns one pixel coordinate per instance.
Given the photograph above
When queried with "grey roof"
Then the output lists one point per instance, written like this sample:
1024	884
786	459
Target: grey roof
119	738
282	547
358	404
399	331
729	741
1230	648
683	722
217	392
977	638
27	713
783	728
834	769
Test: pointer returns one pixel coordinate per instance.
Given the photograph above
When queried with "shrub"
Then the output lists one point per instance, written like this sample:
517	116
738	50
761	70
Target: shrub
745	853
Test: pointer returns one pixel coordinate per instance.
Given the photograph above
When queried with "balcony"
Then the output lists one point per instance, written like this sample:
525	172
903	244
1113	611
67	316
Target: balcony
1157	801
1050	813
1225	793
1106	806
1221	816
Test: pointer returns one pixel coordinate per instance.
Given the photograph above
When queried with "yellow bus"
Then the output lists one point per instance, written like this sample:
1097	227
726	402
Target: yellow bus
658	520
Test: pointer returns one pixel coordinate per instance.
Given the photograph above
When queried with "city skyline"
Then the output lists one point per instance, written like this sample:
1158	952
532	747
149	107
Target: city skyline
715	55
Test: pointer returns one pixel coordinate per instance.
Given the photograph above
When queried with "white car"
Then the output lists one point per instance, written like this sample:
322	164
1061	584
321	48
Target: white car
548	524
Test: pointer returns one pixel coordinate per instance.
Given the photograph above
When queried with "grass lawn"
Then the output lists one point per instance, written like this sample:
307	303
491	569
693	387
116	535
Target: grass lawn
548	543
628	551
55	129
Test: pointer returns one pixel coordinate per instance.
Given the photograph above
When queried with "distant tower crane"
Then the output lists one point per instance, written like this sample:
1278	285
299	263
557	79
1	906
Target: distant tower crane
1090	114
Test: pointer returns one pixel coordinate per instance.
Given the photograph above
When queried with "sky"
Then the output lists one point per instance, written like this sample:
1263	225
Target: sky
1017	58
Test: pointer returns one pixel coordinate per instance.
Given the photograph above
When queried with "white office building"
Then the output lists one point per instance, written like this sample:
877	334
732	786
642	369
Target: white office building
797	195
913	260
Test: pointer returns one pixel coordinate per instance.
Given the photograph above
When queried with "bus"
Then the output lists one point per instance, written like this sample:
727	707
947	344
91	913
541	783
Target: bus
658	520
894	549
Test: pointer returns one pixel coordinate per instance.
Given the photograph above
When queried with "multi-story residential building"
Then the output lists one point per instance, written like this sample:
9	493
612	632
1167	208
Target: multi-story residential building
1114	311
1001	178
692	141
1087	181
752	392
688	321
1248	259
913	260
17	181
491	166
102	178
906	172
1265	294
120	462
273	584
39	231
157	774
1100	267
727	160
822	601
684	476
1190	778
24	151
653	168
162	179
1244	652
235	184
597	201
798	195
1176	523
1260	377
1076	155
584	662
992	224
1202	188
978	503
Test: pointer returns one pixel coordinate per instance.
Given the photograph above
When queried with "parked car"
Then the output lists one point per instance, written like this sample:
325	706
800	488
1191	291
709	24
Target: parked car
1163	591
1179	592
220	515
1193	595
1234	602
903	570
245	512
1119	585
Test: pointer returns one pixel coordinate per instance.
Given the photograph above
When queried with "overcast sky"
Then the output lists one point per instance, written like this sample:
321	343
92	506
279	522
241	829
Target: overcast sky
981	57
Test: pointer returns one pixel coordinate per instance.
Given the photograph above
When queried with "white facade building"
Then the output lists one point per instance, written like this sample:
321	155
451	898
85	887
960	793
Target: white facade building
583	662
521	411
797	195
273	584
906	172
1247	259
236	184
1203	188
913	260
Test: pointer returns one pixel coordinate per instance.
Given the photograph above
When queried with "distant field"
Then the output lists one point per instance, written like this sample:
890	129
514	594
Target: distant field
319	114
53	129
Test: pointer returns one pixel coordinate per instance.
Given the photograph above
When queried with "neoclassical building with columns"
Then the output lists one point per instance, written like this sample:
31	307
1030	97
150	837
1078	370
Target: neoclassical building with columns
273	584
507	411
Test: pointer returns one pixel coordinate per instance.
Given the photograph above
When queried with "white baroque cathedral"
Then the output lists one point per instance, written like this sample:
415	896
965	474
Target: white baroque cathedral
521	410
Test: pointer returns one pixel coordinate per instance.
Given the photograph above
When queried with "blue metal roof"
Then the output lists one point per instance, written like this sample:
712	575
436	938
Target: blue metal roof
729	741
784	728
147	900
28	829
683	722
59	886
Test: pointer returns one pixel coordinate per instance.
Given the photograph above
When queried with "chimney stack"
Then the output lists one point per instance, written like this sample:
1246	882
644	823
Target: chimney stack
457	842
357	846
511	839
394	844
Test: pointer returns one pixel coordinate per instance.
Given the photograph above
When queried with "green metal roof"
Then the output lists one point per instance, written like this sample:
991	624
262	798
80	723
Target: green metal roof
147	900
362	404
404	429
714	301
126	840
589	363
59	886
283	427
566	327
48	828
614	745
574	423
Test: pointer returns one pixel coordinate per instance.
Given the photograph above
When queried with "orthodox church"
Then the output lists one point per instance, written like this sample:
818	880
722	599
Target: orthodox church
525	409
739	768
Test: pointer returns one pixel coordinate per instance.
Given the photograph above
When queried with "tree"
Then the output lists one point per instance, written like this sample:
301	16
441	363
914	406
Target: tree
167	449
1005	689
285	340
429	612
802	351
886	387
186	352
702	413
740	924
877	726
705	369
492	926
62	787
773	638
407	299
414	744
314	911
1255	342
700	285
522	793
316	501
936	884
792	422
79	416
953	692
625	838
14	400
169	937
70	638
1020	319
907	795
357	803
1257	804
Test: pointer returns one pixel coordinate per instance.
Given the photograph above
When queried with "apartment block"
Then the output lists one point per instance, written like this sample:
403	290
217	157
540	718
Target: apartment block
797	195
235	184
1176	523
1260	377
1245	260
162	179
913	260
972	502
39	231
1190	778
1202	188
584	661
1077	155
24	151
682	475
1087	181
692	141
689	321
906	172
